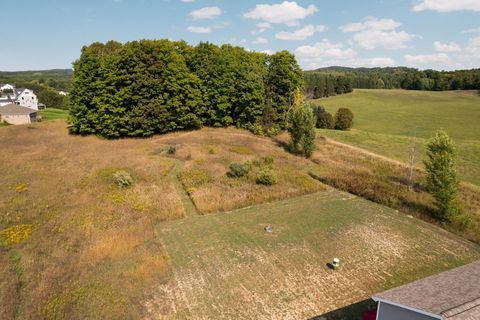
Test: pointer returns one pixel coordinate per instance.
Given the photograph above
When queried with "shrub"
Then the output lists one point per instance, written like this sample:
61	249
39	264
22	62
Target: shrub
301	126
343	119
325	121
273	131
171	149
122	179
255	128
238	170
267	177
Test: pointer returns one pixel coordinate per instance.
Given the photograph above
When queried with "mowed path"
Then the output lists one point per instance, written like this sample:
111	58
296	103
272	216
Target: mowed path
225	266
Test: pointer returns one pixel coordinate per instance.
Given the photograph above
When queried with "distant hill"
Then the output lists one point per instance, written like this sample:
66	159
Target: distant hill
60	79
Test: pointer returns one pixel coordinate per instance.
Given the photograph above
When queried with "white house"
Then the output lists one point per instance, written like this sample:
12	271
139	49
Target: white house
26	98
23	97
16	114
5	87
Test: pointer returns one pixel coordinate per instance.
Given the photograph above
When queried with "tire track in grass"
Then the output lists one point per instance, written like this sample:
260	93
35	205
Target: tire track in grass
187	202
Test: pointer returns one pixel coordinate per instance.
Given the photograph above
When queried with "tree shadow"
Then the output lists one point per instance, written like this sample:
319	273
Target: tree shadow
354	311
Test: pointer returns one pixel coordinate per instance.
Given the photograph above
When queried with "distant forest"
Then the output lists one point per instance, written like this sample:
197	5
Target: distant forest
45	83
330	81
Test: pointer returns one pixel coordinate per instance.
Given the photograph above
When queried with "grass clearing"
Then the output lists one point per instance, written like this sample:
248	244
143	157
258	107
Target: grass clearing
385	121
53	114
224	262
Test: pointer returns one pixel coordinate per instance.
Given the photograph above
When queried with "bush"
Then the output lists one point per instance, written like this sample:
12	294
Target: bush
325	121
267	177
171	149
122	179
343	119
238	170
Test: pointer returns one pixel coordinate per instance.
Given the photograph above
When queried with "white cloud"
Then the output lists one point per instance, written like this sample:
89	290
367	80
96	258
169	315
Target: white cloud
473	47
199	29
326	53
288	13
446	47
373	33
371	23
473	30
391	40
422	59
261	27
206	13
269	52
324	49
447	5
260	40
300	34
187	1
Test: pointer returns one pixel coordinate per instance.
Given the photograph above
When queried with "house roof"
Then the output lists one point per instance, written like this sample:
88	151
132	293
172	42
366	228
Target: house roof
13	109
453	295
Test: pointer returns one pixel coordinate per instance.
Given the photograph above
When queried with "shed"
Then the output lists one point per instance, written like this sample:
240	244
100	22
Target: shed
16	114
452	295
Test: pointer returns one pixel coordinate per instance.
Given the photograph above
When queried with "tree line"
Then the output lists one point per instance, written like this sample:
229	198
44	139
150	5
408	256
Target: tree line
320	85
401	78
146	87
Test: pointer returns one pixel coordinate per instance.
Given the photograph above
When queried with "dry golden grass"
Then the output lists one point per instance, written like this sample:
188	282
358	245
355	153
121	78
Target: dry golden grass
208	154
90	240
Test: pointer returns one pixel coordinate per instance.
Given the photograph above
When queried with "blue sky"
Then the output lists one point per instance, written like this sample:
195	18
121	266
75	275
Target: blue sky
440	34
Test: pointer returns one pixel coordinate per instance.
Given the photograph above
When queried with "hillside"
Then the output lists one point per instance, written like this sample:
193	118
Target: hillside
75	245
387	120
55	78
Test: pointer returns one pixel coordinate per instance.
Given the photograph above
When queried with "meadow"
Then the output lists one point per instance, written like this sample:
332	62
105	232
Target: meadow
53	114
386	121
187	240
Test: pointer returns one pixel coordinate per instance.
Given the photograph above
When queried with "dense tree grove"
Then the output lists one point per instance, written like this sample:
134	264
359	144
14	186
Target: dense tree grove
389	78
154	86
319	85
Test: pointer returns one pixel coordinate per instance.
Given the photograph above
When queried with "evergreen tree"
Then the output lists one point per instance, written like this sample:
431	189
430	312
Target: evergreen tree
442	180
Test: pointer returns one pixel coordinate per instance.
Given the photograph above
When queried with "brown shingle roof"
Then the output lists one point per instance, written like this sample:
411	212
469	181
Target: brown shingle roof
13	109
454	294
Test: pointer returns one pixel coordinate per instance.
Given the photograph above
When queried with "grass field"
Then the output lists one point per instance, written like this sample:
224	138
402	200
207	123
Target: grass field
53	114
73	245
386	120
224	262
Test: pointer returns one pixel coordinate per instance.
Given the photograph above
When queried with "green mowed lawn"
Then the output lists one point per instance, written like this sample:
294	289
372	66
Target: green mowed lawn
386	120
226	266
53	114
